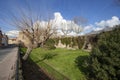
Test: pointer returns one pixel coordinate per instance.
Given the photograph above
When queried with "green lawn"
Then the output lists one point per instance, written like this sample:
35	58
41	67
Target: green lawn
61	61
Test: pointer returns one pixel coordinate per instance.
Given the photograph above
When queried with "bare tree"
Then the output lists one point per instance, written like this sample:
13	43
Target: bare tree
74	26
66	28
69	27
80	20
36	31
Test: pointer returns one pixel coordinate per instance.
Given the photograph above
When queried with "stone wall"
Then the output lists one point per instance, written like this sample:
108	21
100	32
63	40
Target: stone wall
84	42
60	45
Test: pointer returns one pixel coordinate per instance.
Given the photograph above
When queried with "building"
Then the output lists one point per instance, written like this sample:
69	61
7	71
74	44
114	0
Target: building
5	40
23	39
1	35
12	41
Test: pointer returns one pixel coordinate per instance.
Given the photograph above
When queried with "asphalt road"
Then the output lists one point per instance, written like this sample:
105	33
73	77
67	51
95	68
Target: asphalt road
8	58
4	53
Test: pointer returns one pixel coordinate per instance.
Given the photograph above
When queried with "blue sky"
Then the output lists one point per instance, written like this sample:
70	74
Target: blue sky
93	10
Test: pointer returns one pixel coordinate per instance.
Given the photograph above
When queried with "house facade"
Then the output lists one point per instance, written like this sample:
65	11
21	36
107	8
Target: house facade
1	35
3	39
12	41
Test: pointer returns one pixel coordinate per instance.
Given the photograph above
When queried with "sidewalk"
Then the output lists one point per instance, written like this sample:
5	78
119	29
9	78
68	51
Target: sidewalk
8	62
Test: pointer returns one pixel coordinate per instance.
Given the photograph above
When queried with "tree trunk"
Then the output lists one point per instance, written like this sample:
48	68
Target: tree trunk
85	43
29	50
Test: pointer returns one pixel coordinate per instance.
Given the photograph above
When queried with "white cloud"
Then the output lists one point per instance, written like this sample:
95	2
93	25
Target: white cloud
69	25
101	25
12	33
82	33
108	23
98	28
89	27
58	16
60	32
64	24
72	33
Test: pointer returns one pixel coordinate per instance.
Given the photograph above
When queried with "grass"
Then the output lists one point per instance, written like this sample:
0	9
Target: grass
61	63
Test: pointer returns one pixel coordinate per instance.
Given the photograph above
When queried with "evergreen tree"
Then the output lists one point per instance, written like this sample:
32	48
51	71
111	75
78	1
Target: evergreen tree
104	60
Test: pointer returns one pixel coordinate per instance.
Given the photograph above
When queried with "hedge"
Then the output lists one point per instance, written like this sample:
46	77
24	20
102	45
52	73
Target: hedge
71	41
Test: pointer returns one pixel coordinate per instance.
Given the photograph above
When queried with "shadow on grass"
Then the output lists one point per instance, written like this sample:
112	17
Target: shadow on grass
80	62
46	57
31	71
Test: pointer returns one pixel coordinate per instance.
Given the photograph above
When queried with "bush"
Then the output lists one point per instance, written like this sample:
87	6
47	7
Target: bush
74	41
71	41
66	40
56	41
81	40
104	61
50	44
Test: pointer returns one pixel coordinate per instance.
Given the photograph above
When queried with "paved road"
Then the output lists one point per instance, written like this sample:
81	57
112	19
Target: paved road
4	53
8	58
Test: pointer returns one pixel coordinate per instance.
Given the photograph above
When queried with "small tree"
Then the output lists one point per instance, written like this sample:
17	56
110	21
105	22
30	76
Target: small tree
104	61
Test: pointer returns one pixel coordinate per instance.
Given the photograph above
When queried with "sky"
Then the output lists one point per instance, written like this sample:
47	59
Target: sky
98	13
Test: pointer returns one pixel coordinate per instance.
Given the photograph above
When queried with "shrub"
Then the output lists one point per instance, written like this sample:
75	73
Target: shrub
104	61
56	41
74	41
66	40
81	40
71	41
50	44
